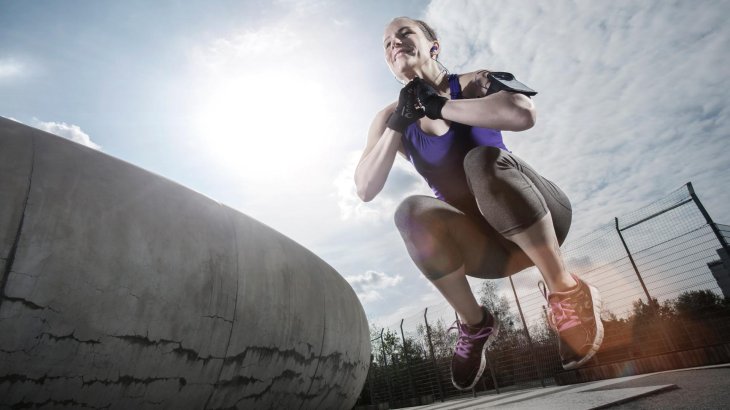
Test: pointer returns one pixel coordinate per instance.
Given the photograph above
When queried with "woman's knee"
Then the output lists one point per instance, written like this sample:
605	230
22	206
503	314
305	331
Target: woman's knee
410	213
421	223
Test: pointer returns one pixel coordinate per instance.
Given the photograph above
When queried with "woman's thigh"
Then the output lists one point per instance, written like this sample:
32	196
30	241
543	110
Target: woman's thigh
441	238
511	195
556	201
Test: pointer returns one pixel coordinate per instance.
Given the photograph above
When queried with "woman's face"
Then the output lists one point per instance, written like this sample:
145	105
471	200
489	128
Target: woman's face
406	47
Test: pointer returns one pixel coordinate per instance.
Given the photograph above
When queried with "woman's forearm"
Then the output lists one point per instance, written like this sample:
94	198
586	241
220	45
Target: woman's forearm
374	167
502	111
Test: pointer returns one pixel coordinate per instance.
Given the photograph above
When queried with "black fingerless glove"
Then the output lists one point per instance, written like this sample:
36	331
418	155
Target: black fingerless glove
430	99
407	111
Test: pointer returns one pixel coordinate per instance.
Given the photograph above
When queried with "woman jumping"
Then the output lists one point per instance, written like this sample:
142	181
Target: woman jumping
492	215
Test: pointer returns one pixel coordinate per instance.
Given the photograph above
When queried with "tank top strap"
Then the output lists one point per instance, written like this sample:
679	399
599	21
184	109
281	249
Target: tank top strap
455	86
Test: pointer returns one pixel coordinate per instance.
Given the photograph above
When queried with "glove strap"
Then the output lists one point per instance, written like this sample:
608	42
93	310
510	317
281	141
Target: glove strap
433	106
397	122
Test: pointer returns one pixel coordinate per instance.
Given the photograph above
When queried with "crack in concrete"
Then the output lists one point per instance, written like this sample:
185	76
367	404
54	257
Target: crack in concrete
69	336
245	380
271	351
219	317
144	340
69	402
235	301
129	291
287	374
124	380
335	357
28	303
190	354
21	378
255	396
129	380
321	348
15	272
238	381
12	351
10	260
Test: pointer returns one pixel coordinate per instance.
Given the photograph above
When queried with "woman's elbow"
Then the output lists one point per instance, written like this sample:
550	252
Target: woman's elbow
519	112
522	118
365	194
527	118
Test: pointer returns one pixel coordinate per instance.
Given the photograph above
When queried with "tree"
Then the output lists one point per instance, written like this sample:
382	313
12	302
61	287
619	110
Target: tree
442	340
649	326
497	305
388	345
700	304
643	313
541	331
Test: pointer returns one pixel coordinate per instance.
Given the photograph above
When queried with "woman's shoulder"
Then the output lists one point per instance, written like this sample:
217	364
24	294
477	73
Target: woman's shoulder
474	84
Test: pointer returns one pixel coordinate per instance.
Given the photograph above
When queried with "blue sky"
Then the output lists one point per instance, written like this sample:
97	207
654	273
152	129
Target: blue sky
264	106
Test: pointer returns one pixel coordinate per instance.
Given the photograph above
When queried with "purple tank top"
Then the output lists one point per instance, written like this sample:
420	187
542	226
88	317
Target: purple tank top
440	159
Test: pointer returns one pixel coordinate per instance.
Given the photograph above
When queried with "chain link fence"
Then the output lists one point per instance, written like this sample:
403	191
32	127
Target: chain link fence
664	276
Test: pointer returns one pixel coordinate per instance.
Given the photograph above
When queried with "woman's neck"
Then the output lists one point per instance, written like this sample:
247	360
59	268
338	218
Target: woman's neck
434	74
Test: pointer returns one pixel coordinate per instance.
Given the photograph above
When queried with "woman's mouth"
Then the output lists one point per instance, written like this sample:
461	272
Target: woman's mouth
400	51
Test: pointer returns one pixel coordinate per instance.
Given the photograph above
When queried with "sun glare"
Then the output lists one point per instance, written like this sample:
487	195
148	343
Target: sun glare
264	127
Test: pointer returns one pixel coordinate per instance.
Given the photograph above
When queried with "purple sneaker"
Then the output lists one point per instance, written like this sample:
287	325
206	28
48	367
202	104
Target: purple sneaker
575	315
469	360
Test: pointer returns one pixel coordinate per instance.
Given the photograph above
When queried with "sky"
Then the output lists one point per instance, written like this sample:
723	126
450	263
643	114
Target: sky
264	106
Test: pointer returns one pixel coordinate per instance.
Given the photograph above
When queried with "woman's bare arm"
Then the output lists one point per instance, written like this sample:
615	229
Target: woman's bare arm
502	110
378	157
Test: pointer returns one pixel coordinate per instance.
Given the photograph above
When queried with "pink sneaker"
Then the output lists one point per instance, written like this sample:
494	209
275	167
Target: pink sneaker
469	360
576	317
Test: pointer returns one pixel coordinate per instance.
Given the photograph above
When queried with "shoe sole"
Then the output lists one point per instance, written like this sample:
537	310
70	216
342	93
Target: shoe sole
483	363
597	305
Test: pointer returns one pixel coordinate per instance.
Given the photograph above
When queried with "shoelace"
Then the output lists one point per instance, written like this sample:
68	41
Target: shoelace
466	341
562	313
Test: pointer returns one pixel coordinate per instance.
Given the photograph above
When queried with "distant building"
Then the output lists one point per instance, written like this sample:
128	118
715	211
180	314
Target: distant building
721	271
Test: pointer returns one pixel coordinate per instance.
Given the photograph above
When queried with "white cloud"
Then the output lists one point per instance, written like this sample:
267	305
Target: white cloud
10	68
403	180
249	46
369	285
68	131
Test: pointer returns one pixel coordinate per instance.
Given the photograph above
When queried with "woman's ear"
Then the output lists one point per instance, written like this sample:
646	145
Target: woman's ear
435	49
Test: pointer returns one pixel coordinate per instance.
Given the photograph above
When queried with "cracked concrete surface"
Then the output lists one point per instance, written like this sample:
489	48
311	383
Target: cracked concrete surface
121	289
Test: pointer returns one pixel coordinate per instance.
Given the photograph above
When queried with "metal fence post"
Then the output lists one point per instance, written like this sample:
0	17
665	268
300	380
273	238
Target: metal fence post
433	357
527	333
631	259
385	367
666	337
708	219
370	381
491	370
408	360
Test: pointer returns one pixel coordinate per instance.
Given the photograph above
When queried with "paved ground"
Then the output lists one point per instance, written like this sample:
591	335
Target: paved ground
696	388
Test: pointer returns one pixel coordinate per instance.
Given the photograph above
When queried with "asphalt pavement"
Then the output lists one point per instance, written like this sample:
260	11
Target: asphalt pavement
695	388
